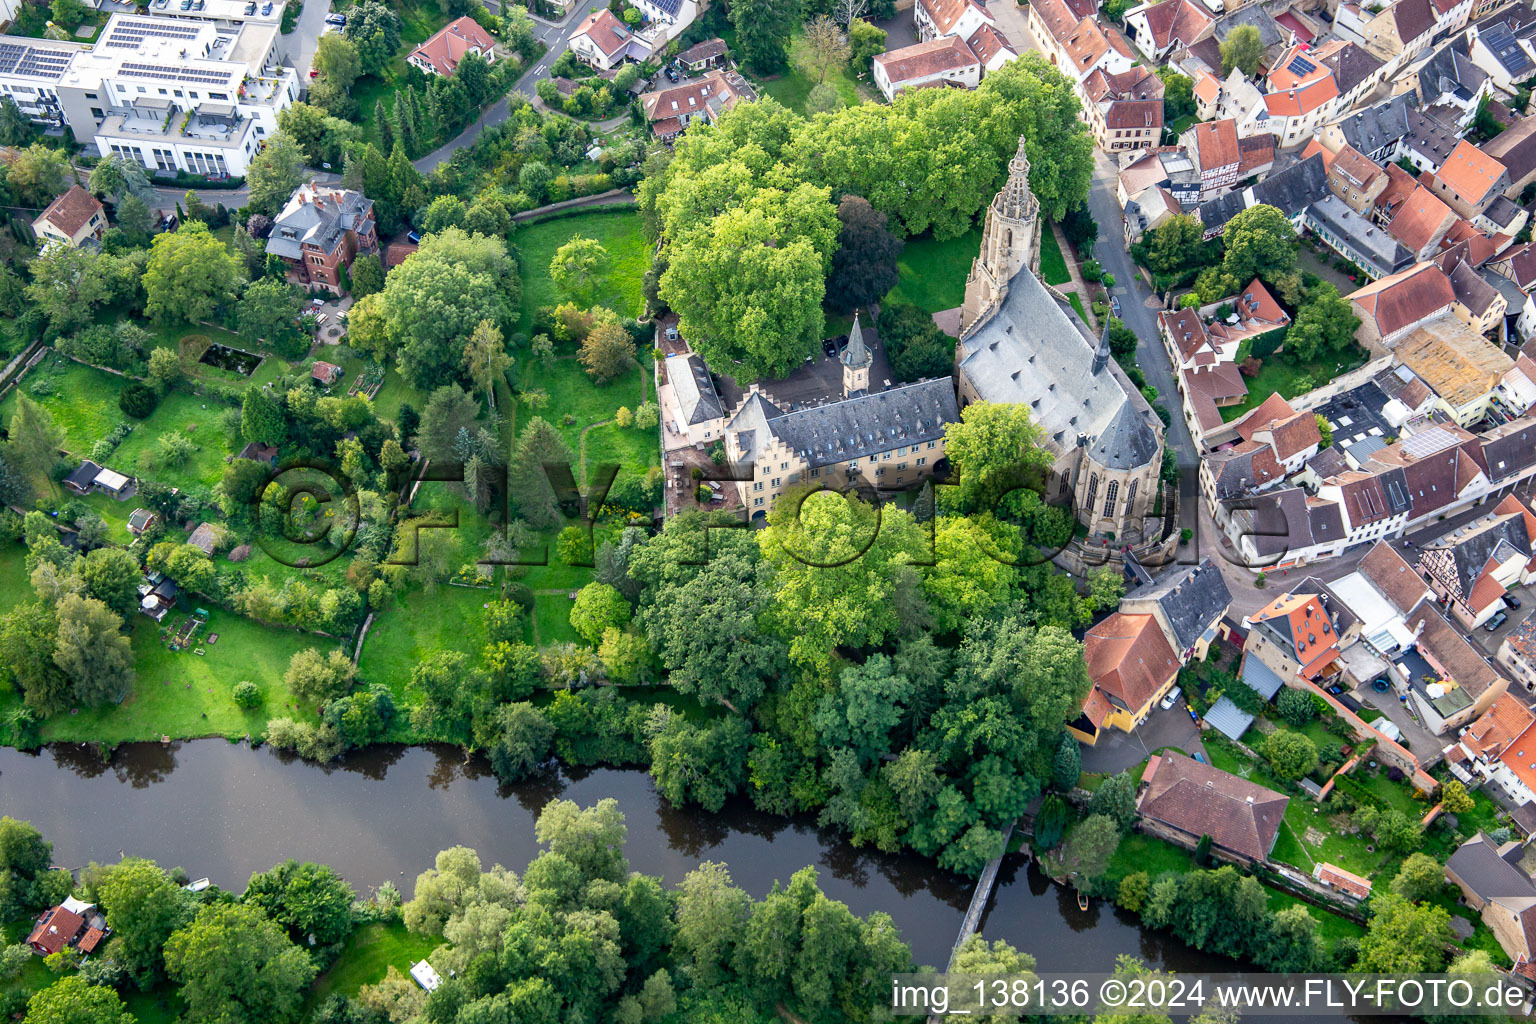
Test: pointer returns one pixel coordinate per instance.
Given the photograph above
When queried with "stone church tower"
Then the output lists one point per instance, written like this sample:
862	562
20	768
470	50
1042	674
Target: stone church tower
1010	240
857	360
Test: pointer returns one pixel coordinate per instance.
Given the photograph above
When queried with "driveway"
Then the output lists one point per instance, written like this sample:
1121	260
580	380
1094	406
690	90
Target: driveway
1116	751
305	37
900	30
555	36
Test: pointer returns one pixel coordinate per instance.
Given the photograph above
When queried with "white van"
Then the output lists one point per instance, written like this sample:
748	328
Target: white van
1172	698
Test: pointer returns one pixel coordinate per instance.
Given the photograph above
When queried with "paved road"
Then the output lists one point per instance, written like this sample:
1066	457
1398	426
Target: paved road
555	36
305	38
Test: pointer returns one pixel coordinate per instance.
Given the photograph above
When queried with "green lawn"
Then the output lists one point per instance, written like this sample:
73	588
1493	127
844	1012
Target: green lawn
182	693
83	400
1077	304
933	272
573	395
419	624
192	416
369	953
1053	265
1282	376
618	288
1331	927
1138	852
14	586
793	88
394	394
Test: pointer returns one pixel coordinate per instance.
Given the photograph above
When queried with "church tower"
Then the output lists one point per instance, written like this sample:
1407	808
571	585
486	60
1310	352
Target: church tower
1010	241
856	362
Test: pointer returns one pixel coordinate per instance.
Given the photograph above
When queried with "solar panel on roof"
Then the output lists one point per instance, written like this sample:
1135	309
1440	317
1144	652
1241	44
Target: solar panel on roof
194	75
1299	65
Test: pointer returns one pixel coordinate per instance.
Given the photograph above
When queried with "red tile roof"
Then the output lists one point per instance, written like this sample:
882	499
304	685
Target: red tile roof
1493	730
1405	298
1345	881
55	930
1129	658
1419	220
1198	799
1469	172
605	30
924	60
72	211
1215	144
447	47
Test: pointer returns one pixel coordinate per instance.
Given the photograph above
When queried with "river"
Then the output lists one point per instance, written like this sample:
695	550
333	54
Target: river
224	811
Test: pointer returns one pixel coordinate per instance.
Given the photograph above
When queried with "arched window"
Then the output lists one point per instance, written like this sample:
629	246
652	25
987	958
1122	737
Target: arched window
1110	495
1093	492
1130	499
1065	483
1008	239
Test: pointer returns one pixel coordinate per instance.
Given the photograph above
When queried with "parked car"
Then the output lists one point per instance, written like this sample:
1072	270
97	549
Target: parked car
1172	698
1200	757
339	20
250	8
1499	618
414	236
1512	600
1114	305
266	8
314	73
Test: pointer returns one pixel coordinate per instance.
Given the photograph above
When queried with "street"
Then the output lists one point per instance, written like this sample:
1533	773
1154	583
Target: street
554	35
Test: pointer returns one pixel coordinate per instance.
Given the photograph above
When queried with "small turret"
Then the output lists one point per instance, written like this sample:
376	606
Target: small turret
856	361
1101	354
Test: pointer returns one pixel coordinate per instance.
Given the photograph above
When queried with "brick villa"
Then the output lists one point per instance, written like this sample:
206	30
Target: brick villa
320	231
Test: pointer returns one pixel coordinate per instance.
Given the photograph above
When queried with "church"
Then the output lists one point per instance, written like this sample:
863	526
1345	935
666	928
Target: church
1021	343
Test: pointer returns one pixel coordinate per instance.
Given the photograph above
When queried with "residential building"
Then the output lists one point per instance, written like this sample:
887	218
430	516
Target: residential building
1020	343
1159	28
1469	179
1498	748
711	53
178	95
72	924
1188	603
1308	88
1448	681
1502	45
1517	653
1132	667
445	48
1184	799
1471	568
604	42
1420	222
1451	86
942	62
1291	191
938	19
1357	239
1392	306
1125	111
670	111
1376	132
1355	179
1213	146
667	19
1078	44
89	477
72	219
320	232
30	73
1479	305
692	411
1515	149
1493	884
1294	637
1397	35
140	520
1429	143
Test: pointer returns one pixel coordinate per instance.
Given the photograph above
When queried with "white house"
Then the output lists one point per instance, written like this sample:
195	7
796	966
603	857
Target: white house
603	41
945	62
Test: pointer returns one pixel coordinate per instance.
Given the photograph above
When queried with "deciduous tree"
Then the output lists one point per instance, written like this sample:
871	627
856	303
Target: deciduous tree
237	967
190	275
864	266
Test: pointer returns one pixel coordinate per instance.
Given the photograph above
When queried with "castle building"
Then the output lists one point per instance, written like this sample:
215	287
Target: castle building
1021	343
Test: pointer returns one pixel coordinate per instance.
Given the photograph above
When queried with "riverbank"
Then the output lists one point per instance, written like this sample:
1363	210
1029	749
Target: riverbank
225	811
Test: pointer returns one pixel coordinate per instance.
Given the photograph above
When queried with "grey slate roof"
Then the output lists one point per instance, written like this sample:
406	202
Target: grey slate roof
1450	70
1228	719
1470	554
842	431
1502	211
1260	678
84	475
1280	521
1295	188
1328	462
1033	352
1192	599
1477	863
322	225
1385	253
1215	213
1513	451
1506	49
1379	126
1354	64
1326	522
694	388
1429	137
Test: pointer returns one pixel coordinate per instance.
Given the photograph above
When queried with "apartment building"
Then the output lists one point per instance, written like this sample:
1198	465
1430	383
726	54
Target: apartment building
178	95
30	70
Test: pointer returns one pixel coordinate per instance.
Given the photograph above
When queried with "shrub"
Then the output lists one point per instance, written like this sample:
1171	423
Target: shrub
138	400
247	695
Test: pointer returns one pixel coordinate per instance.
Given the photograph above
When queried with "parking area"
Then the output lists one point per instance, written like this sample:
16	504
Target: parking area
1116	751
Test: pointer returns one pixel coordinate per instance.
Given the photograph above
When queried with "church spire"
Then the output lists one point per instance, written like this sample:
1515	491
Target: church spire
1016	200
856	361
1101	354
